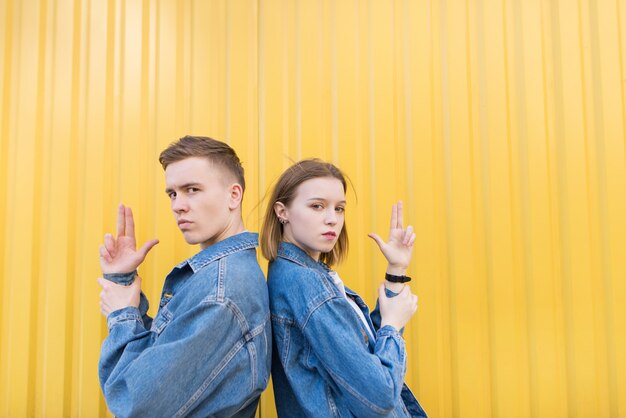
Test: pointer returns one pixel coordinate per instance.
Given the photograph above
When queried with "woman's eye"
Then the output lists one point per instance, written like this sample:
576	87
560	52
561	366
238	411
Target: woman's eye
340	209
316	206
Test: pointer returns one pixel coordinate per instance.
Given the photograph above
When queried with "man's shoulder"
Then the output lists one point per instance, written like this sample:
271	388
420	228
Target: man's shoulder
238	263
242	263
244	243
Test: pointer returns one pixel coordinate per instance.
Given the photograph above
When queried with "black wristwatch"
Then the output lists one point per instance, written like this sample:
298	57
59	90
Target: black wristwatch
397	279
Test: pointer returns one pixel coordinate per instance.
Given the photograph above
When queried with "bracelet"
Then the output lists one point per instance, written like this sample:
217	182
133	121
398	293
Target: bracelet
397	279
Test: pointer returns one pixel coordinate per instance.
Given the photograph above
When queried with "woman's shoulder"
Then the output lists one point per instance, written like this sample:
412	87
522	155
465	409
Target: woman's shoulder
284	276
283	269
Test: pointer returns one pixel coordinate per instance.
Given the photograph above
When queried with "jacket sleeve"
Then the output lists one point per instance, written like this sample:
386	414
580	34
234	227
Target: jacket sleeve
369	383
142	371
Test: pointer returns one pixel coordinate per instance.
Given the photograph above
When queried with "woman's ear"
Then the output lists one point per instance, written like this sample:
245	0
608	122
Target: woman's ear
280	210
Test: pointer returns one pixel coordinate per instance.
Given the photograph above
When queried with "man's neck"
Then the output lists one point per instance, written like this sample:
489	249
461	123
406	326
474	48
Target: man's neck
234	228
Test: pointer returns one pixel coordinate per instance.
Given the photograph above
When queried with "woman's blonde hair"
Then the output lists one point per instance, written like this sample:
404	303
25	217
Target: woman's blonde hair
285	191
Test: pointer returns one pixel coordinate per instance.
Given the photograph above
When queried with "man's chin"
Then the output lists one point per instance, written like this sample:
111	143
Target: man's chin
190	240
195	241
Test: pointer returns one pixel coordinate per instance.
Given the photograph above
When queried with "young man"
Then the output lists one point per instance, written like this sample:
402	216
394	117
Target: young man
207	351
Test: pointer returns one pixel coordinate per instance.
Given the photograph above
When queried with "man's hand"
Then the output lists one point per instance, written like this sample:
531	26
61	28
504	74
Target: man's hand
116	296
120	255
398	250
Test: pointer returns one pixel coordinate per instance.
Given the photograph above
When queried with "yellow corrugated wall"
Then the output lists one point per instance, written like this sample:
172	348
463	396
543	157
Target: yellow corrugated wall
500	123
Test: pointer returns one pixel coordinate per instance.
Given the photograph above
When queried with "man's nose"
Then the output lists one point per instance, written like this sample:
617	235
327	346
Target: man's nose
179	204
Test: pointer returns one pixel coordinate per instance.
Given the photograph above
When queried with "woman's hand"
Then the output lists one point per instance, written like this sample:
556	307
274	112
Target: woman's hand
399	248
398	310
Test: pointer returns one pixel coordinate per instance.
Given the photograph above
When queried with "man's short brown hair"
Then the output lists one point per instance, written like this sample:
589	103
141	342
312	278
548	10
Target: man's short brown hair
217	152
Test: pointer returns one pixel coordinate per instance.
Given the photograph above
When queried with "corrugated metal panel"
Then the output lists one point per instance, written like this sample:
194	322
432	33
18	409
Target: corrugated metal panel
501	124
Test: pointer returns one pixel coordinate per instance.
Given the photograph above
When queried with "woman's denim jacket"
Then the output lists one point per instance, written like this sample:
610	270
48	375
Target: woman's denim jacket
323	362
207	351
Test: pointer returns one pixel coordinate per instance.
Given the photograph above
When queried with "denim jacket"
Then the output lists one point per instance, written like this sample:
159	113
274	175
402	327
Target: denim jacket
207	351
323	363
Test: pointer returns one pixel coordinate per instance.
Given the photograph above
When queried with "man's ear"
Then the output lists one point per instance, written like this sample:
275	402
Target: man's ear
281	210
235	196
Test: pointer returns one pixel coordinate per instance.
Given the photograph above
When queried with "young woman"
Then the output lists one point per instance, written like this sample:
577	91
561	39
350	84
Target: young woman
331	357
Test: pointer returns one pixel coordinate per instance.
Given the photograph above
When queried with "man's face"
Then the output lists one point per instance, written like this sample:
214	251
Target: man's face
202	200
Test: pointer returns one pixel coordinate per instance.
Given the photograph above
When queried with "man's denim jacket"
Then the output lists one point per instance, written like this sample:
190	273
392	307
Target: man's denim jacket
207	351
323	363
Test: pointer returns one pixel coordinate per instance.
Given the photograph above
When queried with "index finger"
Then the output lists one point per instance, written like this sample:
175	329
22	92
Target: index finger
120	221
394	216
130	223
400	215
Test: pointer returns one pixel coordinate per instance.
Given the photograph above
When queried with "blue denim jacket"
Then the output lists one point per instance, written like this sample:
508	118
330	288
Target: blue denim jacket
323	363
207	351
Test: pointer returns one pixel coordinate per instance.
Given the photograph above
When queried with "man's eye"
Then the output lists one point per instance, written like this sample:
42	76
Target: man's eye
172	195
193	189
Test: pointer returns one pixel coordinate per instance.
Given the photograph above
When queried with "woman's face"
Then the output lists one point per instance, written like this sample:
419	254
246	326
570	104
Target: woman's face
315	216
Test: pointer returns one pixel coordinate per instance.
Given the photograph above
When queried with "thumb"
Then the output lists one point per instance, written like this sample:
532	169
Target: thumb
378	239
136	282
147	247
381	292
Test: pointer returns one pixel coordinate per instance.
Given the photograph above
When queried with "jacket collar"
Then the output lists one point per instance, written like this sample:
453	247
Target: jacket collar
294	253
230	245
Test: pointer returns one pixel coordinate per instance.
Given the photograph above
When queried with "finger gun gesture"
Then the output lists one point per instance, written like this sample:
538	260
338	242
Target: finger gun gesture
119	255
399	247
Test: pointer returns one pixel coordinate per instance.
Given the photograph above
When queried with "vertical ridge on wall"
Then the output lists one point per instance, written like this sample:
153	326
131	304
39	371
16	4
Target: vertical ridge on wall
443	150
561	214
17	293
34	370
572	186
41	260
448	394
71	403
592	94
550	122
75	252
606	74
6	74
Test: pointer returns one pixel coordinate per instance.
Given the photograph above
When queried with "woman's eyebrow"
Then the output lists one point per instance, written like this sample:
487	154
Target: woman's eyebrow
325	200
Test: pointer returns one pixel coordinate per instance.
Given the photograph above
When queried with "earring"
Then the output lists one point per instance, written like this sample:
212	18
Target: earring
282	221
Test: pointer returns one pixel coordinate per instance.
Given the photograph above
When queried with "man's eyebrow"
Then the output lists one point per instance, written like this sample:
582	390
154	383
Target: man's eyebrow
184	186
